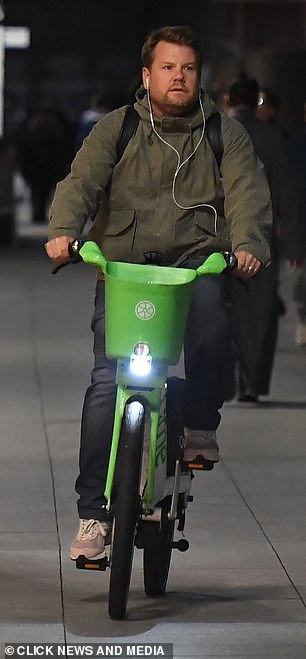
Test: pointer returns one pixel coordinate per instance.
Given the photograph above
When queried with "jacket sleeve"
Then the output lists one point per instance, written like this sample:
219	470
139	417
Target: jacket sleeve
78	197
247	199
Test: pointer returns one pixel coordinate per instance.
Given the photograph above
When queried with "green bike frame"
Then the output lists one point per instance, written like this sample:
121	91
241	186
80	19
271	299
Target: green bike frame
147	306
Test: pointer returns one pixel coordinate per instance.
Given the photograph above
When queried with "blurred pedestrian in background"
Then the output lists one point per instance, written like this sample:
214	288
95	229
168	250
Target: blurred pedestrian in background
257	307
44	145
97	109
298	154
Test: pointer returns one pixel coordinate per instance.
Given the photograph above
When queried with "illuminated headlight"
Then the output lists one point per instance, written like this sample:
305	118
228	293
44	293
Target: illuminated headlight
141	360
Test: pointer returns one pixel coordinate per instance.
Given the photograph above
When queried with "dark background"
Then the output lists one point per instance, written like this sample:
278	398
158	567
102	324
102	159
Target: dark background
80	45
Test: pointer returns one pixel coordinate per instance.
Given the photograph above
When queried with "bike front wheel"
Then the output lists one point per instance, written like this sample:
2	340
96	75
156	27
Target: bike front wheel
127	507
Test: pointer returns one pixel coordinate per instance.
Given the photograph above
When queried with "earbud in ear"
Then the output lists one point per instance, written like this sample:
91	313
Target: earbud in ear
147	83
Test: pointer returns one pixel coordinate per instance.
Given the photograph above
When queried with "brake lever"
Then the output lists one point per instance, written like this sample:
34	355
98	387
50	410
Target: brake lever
59	267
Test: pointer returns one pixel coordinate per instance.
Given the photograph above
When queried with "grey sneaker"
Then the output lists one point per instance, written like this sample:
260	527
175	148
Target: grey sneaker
201	443
91	539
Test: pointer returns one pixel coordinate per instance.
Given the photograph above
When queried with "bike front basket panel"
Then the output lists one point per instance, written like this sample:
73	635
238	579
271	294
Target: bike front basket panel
146	304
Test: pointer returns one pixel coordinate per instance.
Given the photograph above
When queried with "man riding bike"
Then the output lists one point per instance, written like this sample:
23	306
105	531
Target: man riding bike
165	194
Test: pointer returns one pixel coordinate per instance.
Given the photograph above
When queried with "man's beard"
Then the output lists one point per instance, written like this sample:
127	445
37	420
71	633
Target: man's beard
172	108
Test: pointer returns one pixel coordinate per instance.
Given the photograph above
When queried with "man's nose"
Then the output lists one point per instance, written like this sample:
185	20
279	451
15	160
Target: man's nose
179	74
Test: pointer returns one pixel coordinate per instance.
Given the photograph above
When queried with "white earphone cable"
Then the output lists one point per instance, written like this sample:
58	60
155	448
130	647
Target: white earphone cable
181	164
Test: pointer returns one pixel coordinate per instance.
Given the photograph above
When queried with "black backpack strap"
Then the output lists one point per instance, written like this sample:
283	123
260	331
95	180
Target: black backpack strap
214	136
128	128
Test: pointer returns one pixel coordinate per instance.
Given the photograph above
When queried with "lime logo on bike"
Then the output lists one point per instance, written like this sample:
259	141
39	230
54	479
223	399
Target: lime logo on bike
145	310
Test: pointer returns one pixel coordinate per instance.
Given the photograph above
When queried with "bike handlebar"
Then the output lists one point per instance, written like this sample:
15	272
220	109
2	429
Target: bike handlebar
231	260
75	247
74	253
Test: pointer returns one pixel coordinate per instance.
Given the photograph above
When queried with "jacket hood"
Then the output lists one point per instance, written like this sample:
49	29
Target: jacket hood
194	119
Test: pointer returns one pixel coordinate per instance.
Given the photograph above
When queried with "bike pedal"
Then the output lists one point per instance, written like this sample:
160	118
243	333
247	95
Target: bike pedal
83	563
200	464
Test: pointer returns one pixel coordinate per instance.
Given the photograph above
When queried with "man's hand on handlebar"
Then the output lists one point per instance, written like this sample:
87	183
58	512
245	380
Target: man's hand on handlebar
247	265
58	249
61	250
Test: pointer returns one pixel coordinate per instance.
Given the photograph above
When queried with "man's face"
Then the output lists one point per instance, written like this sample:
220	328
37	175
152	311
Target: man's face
173	79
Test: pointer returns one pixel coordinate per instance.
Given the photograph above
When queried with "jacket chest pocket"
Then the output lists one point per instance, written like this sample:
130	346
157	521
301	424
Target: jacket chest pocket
119	234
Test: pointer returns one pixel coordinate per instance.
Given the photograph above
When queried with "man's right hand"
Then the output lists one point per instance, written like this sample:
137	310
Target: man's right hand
57	248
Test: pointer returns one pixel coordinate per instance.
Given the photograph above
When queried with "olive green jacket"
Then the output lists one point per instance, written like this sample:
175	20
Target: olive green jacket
141	205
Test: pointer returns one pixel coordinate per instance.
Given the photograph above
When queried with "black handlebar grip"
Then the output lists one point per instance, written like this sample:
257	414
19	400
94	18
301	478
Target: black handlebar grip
73	251
74	248
231	260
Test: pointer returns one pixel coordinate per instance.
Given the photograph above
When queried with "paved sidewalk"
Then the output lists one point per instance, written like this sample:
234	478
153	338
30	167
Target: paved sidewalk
240	591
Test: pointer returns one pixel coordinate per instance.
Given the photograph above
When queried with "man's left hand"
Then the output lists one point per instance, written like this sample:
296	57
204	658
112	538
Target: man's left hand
248	265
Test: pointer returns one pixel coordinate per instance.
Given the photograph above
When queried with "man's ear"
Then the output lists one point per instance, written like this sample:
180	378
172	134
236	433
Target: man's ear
146	77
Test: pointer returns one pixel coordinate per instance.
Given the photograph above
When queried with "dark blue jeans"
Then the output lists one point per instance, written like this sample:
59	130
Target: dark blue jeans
206	347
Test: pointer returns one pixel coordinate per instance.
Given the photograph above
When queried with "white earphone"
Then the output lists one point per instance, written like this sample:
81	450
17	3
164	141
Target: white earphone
147	83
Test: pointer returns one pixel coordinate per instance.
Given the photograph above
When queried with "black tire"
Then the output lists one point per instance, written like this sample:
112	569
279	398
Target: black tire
159	535
157	555
126	508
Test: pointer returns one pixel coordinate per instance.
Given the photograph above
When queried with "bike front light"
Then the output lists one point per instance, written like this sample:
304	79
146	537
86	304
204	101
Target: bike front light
141	360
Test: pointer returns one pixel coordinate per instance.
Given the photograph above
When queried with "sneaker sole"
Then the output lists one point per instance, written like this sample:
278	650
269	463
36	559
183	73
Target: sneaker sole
191	455
98	557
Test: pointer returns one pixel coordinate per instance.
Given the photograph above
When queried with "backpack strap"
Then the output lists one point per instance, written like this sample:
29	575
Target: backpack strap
128	129
214	136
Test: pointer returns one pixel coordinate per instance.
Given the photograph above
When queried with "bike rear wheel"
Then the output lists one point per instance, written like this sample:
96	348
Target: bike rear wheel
157	554
126	508
159	535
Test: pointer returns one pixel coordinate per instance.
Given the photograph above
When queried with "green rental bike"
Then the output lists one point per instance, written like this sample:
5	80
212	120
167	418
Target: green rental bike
148	483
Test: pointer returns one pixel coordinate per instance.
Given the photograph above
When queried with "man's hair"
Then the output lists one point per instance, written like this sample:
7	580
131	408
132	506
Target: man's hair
179	34
244	91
